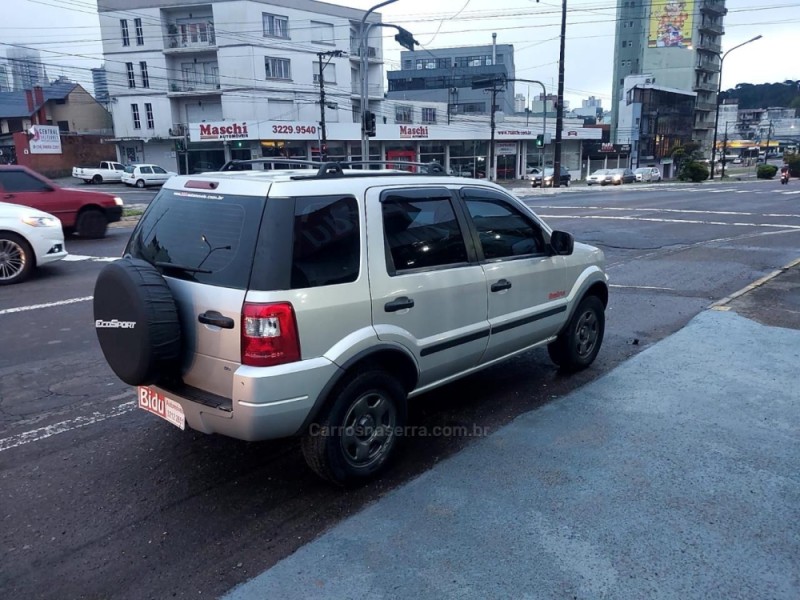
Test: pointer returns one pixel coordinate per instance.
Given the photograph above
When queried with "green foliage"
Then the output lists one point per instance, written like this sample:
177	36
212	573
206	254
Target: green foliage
693	171
764	95
766	171
794	165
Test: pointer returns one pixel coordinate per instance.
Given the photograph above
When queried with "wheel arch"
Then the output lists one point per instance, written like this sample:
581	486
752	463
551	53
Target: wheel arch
385	357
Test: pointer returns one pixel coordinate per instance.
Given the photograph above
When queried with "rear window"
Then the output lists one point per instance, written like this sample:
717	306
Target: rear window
211	232
129	169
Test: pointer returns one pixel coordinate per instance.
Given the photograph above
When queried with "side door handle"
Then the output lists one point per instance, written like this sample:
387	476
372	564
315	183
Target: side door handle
400	303
499	286
212	317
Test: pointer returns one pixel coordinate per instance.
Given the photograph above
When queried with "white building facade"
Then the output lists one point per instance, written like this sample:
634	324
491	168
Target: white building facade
196	83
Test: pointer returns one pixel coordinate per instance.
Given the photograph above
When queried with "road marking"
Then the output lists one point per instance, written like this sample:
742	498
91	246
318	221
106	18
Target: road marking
682	221
8	311
671	210
641	287
790	193
42	433
81	257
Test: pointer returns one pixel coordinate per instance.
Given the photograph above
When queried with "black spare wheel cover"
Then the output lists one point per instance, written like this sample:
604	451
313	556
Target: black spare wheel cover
136	321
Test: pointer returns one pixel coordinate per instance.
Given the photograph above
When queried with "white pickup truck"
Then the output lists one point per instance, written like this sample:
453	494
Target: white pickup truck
106	171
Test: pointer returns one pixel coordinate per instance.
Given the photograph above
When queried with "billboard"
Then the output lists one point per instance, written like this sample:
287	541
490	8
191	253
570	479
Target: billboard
671	24
45	139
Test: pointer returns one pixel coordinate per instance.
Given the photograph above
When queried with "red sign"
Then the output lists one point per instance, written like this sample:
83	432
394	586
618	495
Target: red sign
413	132
234	131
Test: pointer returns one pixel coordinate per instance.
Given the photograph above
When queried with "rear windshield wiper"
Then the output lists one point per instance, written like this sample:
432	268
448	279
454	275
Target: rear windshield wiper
169	265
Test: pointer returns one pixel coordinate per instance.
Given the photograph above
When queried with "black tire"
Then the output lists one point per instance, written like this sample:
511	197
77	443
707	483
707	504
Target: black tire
87	181
97	179
351	424
91	224
17	259
140	183
136	322
577	346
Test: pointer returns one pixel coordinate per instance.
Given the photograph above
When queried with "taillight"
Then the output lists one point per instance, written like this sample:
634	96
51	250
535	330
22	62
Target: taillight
269	335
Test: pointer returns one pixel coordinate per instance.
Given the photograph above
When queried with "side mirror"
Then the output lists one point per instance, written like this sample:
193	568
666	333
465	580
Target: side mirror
562	243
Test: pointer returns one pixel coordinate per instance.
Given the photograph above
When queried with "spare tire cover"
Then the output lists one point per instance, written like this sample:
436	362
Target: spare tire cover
136	321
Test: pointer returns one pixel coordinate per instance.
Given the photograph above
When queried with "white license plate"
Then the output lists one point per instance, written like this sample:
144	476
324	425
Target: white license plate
160	405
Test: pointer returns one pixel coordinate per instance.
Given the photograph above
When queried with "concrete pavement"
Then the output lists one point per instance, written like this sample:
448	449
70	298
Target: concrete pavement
673	476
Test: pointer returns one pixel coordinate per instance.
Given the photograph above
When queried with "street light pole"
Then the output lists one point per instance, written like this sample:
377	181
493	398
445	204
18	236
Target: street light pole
560	107
719	91
323	147
362	50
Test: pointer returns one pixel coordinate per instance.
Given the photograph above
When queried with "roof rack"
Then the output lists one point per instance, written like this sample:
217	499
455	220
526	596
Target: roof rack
336	168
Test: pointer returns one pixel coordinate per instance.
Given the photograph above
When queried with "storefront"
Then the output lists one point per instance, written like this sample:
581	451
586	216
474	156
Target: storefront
461	147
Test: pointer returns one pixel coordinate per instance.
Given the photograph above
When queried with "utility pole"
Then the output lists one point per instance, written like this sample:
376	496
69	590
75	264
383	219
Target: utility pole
323	150
491	174
560	107
769	139
724	151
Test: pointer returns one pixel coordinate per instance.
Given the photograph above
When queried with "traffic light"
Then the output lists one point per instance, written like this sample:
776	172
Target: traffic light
369	126
540	140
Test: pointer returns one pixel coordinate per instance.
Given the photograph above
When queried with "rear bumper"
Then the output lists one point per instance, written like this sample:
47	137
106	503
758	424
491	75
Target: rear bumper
113	214
268	402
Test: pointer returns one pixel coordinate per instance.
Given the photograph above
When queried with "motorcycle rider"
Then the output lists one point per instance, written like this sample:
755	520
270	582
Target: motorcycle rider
785	173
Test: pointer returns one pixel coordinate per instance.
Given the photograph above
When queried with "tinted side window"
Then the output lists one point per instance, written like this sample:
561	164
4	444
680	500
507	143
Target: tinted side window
146	170
158	170
20	181
326	248
503	230
422	233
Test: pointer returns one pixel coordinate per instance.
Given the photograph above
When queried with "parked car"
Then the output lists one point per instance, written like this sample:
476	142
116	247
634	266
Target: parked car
267	304
106	171
29	238
547	177
620	176
144	175
87	213
647	174
599	177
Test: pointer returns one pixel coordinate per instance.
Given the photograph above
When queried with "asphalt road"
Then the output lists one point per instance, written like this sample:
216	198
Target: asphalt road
101	500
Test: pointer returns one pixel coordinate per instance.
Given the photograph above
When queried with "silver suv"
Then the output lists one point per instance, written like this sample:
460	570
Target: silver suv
266	304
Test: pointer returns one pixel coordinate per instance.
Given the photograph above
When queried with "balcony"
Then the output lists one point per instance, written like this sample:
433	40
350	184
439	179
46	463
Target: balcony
375	90
194	88
709	46
714	7
190	37
705	86
707	66
373	53
706	106
711	28
703	125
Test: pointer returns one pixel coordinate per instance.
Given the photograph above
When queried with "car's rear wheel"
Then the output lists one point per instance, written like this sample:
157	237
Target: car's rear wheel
577	346
97	179
140	183
17	259
91	224
356	436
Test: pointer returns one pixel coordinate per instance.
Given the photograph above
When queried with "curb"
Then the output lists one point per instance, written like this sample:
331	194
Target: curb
720	304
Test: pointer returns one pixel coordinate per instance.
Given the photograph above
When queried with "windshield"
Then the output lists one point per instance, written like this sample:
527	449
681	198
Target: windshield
129	168
643	170
210	232
600	172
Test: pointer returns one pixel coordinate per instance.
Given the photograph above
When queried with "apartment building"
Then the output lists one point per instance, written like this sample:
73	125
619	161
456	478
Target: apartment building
172	63
676	42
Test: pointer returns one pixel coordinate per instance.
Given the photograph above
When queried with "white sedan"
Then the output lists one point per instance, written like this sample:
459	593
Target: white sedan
144	175
29	238
648	174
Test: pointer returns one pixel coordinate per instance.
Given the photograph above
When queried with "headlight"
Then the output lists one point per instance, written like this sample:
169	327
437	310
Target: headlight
41	221
117	200
617	177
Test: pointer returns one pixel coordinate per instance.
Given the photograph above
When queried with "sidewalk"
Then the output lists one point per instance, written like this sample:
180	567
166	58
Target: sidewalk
673	476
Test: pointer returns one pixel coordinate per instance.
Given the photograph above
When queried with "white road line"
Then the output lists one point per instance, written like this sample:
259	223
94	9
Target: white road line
683	221
42	433
8	311
641	287
81	257
790	193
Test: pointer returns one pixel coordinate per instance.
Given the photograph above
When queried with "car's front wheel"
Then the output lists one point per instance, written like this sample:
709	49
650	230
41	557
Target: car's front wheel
577	346
356	435
16	259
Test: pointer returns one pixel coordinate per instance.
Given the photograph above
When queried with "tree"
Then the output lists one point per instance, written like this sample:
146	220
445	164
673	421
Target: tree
764	95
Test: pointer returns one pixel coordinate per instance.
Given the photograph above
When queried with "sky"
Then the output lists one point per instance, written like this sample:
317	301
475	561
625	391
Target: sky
67	34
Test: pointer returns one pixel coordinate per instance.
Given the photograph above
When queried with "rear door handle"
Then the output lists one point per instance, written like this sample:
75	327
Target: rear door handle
212	317
400	303
503	284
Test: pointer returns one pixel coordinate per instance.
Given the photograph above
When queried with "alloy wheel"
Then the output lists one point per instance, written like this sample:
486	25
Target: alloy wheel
12	260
